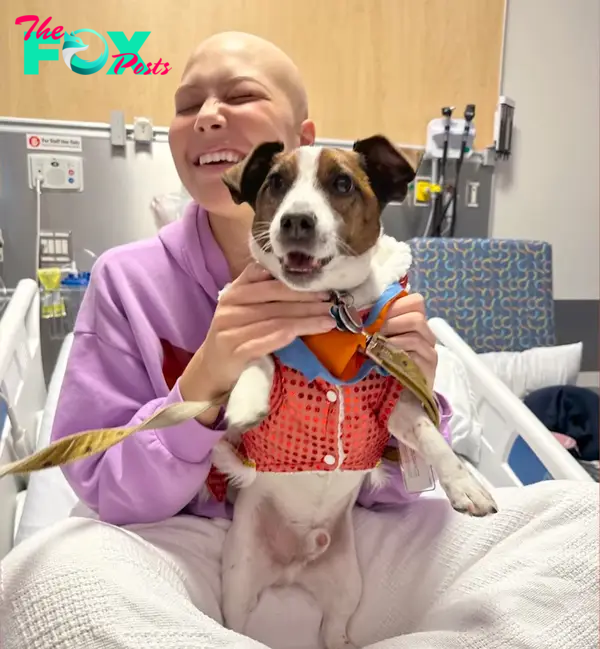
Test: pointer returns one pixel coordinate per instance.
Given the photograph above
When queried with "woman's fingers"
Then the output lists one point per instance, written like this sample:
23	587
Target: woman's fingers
269	290
236	315
413	342
406	323
255	285
264	337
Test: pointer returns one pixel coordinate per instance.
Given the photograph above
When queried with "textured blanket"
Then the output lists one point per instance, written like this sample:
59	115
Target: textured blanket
526	577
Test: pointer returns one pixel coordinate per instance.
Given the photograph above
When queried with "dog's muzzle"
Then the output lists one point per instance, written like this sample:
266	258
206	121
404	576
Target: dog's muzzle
298	229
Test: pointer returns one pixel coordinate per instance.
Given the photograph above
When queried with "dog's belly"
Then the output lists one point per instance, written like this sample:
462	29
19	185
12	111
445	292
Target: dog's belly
297	517
308	498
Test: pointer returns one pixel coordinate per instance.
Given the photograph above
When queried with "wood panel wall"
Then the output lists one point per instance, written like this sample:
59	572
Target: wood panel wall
369	65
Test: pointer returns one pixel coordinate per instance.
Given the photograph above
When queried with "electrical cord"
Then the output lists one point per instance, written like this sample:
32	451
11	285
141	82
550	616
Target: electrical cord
38	222
16	441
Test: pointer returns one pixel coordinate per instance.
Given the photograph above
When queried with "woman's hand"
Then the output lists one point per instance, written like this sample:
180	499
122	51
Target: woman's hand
406	327
256	316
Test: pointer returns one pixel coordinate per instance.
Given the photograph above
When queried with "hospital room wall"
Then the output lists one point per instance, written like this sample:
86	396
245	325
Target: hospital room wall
370	65
549	190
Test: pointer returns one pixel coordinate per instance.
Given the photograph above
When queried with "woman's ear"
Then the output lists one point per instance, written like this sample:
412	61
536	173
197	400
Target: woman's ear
307	132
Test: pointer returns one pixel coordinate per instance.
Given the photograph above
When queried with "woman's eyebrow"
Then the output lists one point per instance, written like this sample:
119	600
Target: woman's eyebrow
241	78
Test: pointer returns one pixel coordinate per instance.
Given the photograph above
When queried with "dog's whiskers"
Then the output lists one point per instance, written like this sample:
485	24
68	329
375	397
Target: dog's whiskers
262	238
344	247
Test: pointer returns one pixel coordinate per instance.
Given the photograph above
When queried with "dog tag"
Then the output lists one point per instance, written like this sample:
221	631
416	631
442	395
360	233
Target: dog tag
351	319
416	473
347	315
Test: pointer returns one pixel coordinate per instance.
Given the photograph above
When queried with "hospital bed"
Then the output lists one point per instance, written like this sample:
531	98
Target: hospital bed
483	296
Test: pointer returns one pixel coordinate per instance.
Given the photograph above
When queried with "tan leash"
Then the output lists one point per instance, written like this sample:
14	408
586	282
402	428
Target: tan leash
85	444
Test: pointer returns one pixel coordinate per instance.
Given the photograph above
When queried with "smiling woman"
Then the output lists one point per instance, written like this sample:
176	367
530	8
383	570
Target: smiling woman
224	107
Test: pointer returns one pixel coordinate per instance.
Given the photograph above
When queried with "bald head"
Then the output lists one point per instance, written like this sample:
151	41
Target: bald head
262	55
237	91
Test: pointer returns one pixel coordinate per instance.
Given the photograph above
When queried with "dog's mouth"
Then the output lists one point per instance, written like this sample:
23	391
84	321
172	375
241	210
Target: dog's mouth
302	265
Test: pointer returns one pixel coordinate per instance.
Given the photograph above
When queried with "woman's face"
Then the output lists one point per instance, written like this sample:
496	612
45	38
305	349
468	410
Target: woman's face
227	103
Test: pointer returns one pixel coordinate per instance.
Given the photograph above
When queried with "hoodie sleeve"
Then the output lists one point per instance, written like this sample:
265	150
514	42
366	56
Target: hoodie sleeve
153	474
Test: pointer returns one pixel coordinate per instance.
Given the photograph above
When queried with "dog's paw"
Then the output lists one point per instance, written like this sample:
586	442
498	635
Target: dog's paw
242	414
467	496
246	408
248	403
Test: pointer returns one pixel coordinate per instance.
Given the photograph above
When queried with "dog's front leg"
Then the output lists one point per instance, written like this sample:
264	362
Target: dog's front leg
410	424
335	581
248	403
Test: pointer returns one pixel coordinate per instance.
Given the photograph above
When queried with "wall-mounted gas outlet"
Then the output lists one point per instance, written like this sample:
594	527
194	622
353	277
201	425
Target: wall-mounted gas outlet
422	194
56	171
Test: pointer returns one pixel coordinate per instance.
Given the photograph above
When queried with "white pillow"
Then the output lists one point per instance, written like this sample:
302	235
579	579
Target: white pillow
452	381
533	369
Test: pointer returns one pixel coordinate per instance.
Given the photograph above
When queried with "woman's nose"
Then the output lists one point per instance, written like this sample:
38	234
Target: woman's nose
209	117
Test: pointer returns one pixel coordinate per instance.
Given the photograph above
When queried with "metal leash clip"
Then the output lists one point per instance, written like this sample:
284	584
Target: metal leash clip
346	315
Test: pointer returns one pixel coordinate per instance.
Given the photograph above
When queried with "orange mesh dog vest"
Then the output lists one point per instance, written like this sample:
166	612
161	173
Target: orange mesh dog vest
331	415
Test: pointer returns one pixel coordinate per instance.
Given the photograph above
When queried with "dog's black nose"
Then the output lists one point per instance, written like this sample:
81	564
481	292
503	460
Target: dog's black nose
298	226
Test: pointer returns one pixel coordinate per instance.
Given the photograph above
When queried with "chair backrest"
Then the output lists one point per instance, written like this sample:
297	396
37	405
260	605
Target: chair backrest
495	293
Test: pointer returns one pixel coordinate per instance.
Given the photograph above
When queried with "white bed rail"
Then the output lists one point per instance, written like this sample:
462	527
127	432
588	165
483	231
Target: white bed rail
506	418
22	383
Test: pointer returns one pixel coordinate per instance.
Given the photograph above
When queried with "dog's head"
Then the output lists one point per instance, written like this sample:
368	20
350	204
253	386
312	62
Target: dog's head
318	209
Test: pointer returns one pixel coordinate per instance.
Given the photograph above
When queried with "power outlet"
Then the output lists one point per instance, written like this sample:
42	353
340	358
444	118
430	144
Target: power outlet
142	129
472	194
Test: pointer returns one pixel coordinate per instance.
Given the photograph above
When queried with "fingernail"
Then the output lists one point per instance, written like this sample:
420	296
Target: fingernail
324	297
326	324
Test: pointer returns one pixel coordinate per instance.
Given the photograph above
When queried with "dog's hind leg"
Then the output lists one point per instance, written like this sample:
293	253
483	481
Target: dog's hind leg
247	568
335	581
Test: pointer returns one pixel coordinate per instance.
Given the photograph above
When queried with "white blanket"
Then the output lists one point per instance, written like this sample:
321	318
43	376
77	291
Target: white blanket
526	577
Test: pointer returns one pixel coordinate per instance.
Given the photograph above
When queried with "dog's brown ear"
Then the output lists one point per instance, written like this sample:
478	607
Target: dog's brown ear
245	179
389	171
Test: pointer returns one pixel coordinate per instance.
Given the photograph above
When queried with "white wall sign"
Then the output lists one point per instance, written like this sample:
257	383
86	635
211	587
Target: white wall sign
53	142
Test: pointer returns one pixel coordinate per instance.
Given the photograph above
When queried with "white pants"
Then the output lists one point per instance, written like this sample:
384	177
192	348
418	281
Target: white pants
524	578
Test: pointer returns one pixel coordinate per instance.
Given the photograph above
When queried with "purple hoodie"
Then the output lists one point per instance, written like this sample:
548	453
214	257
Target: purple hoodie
146	311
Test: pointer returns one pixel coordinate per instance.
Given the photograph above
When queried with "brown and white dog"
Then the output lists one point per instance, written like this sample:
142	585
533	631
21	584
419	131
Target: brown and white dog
317	227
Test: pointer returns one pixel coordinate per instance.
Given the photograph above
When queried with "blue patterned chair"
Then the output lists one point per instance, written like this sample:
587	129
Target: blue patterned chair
495	293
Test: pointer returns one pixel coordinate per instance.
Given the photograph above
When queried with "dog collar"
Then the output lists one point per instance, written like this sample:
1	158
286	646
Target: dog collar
336	356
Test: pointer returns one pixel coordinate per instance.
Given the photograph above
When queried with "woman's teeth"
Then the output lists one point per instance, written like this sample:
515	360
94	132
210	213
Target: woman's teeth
218	156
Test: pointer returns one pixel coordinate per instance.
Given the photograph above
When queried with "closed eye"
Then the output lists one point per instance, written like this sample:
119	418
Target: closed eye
242	99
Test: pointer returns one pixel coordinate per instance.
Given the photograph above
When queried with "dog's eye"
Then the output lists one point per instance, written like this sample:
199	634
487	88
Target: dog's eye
343	183
276	182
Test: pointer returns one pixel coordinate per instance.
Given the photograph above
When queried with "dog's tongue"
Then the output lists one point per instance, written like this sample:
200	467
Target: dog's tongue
300	261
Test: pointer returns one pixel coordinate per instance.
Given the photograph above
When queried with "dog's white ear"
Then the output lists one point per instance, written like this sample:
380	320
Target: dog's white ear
245	179
388	170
